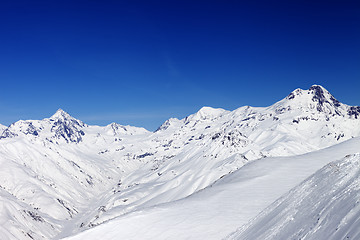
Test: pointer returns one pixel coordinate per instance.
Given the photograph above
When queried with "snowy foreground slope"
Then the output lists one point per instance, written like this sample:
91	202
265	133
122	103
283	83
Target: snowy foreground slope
60	176
324	206
232	201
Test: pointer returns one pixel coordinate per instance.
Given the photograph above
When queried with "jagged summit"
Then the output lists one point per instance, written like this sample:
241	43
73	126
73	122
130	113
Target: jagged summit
64	117
59	127
316	93
321	95
61	114
67	127
316	100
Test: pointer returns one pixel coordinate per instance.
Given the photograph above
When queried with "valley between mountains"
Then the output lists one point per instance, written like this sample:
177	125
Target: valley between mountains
251	173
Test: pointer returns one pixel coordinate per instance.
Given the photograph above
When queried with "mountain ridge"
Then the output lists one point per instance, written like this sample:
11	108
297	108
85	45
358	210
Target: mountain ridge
114	170
324	102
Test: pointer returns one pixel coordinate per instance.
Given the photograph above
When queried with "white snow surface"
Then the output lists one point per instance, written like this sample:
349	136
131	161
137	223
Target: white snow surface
60	176
219	209
324	206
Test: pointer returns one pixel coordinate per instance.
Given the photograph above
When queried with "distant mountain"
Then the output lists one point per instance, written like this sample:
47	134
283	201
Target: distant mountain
61	127
61	176
304	121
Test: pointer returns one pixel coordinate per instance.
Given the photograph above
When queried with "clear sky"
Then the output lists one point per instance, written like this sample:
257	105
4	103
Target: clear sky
142	62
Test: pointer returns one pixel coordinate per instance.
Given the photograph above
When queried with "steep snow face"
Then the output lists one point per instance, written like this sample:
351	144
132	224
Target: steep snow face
324	206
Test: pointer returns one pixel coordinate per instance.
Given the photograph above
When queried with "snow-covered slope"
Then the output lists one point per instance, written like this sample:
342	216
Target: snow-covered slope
53	169
324	206
75	176
184	156
219	209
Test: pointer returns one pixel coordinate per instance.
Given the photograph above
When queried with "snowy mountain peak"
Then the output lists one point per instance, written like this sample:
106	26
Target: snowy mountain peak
59	127
66	127
315	93
61	114
63	117
206	113
316	100
322	96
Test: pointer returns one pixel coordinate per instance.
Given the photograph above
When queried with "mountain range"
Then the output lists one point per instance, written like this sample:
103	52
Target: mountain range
227	171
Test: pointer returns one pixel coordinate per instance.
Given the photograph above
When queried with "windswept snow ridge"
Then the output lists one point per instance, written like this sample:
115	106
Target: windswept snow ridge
63	176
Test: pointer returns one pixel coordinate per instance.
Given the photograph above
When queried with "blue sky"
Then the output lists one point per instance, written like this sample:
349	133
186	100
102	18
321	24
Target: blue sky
142	62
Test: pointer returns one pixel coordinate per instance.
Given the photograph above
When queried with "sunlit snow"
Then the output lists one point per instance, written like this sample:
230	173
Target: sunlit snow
201	177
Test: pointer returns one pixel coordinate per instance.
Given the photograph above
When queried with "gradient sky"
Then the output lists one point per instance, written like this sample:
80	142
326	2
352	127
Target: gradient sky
142	62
